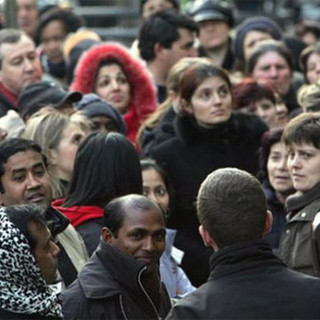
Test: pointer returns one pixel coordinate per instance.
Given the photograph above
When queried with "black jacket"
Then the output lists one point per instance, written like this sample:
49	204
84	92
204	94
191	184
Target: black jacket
189	158
110	287
248	282
6	315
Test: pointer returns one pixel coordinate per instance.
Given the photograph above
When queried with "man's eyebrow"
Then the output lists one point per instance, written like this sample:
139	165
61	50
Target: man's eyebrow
18	170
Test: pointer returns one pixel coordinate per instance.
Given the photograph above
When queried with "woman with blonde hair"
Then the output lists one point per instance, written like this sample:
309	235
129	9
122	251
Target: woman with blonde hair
59	137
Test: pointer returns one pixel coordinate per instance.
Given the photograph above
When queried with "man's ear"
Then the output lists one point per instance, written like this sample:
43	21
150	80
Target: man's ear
159	51
268	222
207	239
107	235
1	199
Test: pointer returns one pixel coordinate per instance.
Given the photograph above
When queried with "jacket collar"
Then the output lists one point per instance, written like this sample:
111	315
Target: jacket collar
107	268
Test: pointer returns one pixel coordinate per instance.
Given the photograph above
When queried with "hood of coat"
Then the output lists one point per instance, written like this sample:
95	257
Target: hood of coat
143	91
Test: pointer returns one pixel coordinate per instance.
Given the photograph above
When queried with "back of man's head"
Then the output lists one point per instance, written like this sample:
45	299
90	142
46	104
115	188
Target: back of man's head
232	207
10	147
162	28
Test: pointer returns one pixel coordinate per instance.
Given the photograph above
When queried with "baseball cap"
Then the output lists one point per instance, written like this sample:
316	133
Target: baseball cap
210	10
40	94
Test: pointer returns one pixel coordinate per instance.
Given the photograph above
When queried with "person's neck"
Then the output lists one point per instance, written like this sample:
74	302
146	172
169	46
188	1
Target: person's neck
159	73
218	54
282	196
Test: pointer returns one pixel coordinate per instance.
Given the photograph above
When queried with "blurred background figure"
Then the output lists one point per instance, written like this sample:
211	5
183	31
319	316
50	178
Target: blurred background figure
157	187
310	63
215	21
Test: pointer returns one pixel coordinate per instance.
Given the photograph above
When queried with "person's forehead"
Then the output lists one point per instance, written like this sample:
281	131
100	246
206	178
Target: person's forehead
40	233
142	218
11	50
29	3
24	159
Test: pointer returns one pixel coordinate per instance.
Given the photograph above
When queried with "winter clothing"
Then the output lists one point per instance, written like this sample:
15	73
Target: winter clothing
279	216
174	278
8	101
296	238
111	286
88	221
73	254
189	158
248	282
143	97
23	289
92	105
255	23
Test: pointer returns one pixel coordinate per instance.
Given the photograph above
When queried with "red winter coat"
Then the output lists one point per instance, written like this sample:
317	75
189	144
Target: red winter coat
143	95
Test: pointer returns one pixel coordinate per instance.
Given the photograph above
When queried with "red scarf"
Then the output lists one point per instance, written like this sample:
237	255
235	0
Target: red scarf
9	95
79	214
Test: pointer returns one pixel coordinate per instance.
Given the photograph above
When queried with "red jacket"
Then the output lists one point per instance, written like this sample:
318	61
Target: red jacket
143	95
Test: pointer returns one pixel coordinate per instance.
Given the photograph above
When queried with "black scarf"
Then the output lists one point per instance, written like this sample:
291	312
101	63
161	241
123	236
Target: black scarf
300	200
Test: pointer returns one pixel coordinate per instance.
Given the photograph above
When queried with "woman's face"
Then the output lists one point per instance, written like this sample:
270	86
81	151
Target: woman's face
304	166
272	67
313	68
266	110
154	188
278	173
251	39
112	85
211	102
62	157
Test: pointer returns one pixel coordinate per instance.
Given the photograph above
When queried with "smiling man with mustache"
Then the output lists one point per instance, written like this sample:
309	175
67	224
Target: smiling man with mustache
122	279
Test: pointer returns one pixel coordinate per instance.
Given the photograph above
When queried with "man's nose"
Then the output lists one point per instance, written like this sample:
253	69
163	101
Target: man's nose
33	182
148	244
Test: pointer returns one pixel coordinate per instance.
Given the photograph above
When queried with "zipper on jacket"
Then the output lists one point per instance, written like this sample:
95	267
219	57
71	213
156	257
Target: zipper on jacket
122	307
146	293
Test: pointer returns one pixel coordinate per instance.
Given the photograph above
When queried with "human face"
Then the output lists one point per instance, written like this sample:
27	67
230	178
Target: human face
213	34
266	110
142	236
103	124
27	16
20	65
45	252
62	158
183	47
313	68
277	168
52	37
211	102
112	85
25	180
272	67
154	188
153	6
251	39
304	166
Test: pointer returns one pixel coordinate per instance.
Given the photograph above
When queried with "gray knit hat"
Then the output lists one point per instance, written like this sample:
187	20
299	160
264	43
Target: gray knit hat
92	105
256	23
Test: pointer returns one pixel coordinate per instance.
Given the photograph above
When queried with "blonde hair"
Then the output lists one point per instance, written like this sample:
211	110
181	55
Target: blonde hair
46	127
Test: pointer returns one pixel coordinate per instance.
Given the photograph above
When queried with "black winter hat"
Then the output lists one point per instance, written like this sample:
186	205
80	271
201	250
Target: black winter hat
210	10
40	94
92	105
256	23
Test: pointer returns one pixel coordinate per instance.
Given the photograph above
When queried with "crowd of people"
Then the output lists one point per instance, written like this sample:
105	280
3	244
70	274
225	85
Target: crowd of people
177	178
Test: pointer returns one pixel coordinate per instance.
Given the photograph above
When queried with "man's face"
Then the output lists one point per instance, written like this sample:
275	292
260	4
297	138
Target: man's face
213	34
45	252
27	15
20	64
25	180
183	47
142	236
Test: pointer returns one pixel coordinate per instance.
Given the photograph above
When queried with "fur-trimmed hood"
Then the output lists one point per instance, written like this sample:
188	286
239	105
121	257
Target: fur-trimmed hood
143	92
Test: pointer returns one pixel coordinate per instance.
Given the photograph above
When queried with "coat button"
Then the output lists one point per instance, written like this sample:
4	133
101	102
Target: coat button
287	231
303	214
